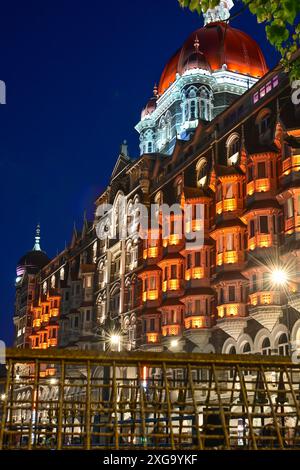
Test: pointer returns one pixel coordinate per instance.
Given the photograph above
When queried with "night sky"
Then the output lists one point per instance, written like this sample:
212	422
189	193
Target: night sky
77	75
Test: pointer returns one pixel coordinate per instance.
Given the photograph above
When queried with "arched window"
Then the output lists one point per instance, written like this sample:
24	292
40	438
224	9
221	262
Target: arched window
193	110
266	347
201	172
232	350
263	121
246	348
283	345
168	127
233	149
178	187
163	132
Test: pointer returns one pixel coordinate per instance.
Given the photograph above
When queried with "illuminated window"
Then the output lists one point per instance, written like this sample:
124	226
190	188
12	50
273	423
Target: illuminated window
289	208
229	191
201	172
233	149
230	242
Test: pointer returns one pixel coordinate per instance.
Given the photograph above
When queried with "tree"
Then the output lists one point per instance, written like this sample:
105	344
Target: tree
281	19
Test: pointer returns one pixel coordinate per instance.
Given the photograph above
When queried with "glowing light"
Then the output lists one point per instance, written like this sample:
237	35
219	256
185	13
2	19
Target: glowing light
279	277
3	396
115	339
53	381
174	343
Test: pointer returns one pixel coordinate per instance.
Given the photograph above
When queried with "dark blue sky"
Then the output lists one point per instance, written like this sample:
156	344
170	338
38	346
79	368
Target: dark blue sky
77	74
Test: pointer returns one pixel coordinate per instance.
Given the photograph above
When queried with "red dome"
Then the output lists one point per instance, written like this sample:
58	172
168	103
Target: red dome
220	44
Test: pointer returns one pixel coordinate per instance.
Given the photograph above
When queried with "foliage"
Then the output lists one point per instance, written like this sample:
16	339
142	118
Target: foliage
281	19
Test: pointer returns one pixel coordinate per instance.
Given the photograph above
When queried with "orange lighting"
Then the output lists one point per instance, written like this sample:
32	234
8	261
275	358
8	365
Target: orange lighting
228	310
170	330
291	164
194	322
174	239
152	337
229	257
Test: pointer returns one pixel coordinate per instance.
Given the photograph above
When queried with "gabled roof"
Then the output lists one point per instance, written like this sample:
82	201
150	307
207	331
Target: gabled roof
120	165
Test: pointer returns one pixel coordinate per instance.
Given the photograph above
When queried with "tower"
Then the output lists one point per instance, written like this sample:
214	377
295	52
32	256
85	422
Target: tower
215	65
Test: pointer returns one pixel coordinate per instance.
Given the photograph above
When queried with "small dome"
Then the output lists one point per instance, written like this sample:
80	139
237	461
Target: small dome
195	61
32	262
35	259
149	108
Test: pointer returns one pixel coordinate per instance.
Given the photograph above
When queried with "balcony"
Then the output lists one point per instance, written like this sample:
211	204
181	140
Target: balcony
194	273
291	164
264	298
36	323
171	330
150	295
228	257
227	205
172	285
261	240
228	310
194	322
194	226
152	338
261	185
151	252
54	312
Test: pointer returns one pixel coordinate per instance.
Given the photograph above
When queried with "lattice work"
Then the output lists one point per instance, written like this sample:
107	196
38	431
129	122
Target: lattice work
67	400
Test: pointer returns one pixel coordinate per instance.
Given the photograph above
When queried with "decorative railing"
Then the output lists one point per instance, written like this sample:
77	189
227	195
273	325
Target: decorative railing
145	400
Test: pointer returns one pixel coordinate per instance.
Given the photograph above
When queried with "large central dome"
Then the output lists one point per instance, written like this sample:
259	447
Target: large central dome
221	46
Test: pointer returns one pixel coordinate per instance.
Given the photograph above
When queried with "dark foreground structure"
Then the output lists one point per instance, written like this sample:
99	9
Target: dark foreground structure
70	400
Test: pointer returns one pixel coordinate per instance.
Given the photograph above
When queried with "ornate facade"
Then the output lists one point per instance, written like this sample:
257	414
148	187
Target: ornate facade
220	131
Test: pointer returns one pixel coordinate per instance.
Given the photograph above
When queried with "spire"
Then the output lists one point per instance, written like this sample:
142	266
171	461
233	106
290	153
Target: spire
37	238
124	148
220	13
196	43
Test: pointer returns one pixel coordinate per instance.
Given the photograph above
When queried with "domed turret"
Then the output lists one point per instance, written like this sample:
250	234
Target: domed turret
216	64
220	44
196	60
35	259
151	105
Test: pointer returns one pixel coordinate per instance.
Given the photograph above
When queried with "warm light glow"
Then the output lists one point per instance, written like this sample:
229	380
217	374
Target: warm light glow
152	337
3	396
115	340
174	343
279	277
194	322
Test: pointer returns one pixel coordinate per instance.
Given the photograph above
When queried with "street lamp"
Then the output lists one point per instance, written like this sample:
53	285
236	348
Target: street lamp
115	340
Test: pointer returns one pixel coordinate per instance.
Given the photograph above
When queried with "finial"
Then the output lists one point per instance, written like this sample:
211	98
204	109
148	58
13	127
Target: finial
37	238
155	90
124	148
197	43
220	13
